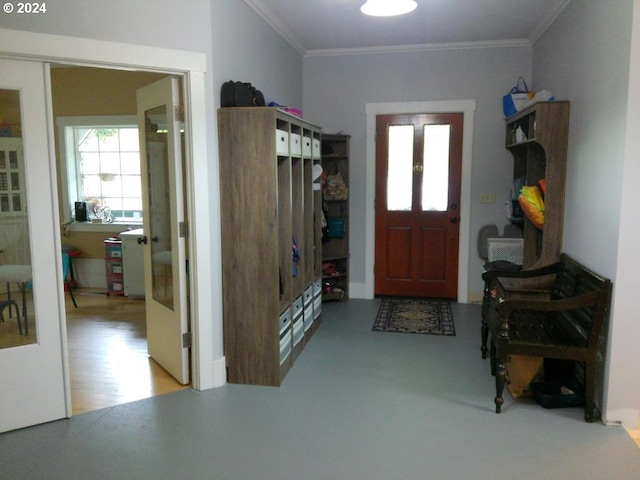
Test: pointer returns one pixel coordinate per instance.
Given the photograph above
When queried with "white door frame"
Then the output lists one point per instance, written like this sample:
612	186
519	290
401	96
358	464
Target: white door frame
467	107
204	237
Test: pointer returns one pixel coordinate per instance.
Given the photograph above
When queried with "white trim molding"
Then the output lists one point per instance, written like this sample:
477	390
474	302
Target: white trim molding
467	107
81	51
422	47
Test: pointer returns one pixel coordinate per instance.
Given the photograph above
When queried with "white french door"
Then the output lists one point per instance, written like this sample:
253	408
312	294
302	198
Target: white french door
159	123
30	262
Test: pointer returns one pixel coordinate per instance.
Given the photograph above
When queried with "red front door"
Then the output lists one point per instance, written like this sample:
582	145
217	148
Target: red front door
418	170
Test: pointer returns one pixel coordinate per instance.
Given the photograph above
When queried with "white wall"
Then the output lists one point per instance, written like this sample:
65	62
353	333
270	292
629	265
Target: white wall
158	23
337	88
247	49
585	57
623	402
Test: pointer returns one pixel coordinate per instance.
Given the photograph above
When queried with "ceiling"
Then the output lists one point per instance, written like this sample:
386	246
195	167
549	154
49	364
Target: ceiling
316	27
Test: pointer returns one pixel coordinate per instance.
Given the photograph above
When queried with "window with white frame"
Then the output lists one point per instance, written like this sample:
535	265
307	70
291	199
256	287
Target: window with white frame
102	159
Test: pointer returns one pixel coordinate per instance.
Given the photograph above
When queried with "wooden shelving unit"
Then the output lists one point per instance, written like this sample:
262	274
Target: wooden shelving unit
537	137
271	298
335	249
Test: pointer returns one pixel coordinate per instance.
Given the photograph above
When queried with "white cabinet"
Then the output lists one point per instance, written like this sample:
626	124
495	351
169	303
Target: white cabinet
133	263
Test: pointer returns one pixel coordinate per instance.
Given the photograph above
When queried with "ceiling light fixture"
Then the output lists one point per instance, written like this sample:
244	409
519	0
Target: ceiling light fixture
388	8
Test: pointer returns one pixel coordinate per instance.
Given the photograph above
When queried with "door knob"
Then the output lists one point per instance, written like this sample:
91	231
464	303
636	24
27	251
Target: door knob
454	220
142	239
417	169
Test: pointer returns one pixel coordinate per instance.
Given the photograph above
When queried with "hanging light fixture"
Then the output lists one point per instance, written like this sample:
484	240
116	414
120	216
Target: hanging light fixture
388	8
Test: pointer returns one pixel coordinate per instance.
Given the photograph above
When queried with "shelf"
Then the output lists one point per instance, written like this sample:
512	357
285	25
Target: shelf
335	249
521	144
545	125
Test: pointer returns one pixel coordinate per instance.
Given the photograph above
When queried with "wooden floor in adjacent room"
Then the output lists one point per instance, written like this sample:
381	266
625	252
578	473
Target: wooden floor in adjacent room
108	358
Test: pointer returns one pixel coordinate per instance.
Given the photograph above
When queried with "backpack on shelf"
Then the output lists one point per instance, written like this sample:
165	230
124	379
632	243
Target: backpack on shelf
240	94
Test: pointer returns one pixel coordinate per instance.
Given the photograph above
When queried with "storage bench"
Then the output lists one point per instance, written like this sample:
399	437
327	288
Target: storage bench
553	312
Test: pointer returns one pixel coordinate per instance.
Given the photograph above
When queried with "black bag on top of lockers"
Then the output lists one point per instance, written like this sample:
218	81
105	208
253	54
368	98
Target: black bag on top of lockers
240	94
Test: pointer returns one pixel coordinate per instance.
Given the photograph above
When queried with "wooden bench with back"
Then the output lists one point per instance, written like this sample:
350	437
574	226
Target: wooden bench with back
555	312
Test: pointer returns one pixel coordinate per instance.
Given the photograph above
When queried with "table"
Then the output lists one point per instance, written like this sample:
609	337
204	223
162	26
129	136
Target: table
21	276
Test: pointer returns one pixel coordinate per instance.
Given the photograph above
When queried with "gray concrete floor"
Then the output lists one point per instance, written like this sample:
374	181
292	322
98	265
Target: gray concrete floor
356	405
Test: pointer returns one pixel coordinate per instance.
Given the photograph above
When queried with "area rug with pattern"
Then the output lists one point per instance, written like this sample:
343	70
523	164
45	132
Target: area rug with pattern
414	315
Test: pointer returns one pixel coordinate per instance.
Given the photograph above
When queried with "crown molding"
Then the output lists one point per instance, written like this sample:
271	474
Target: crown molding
426	47
547	21
284	31
289	36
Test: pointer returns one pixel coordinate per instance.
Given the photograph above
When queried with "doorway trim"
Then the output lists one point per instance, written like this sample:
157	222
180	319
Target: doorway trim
208	364
466	107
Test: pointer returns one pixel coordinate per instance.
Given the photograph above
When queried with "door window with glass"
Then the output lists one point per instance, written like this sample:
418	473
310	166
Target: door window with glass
16	305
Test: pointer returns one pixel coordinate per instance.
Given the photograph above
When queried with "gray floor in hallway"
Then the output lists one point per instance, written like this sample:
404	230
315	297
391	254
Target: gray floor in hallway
356	405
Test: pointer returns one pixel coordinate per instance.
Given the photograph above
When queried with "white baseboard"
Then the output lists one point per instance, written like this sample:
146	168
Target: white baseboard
358	290
626	417
475	297
219	372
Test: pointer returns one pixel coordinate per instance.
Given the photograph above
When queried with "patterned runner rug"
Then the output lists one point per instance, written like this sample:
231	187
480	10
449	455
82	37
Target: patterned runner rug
415	315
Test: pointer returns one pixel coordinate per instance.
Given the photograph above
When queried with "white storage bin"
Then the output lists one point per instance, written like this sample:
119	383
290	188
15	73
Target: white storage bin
282	142
285	345
308	307
308	295
317	298
298	331
306	147
298	321
297	308
295	144
317	306
315	147
285	320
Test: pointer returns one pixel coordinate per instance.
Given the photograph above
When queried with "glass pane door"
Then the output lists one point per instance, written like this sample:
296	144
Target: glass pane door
160	123
159	206
17	315
32	376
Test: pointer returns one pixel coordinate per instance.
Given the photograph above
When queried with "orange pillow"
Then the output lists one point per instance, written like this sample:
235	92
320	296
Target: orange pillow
532	204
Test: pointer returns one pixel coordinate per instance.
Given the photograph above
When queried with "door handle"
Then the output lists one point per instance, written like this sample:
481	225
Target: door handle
453	220
417	169
142	239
